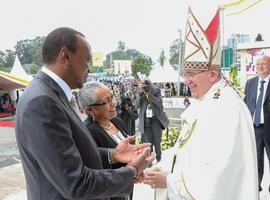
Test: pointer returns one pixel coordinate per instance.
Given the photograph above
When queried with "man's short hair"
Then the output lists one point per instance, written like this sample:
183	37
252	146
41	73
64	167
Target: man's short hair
56	40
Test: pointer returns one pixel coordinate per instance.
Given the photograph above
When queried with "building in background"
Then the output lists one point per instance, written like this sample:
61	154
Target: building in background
227	59
232	43
236	39
122	67
250	52
97	59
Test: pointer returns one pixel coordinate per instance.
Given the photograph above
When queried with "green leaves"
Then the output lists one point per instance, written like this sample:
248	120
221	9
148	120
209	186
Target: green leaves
162	58
29	51
168	140
141	64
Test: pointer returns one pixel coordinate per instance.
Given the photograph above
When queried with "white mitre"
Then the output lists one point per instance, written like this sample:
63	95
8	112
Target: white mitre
202	46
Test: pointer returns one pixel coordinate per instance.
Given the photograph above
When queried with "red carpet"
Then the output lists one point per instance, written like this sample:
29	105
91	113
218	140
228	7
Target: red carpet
9	124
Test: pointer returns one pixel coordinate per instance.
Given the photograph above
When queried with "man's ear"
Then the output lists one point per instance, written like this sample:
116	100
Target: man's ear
65	55
214	75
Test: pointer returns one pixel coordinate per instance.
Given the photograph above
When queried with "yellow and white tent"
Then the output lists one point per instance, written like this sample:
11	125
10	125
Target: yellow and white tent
16	79
9	82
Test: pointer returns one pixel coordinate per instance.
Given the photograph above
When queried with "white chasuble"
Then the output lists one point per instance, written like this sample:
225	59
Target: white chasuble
218	162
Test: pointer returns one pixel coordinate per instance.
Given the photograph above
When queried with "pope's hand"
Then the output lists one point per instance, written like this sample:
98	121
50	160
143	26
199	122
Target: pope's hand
155	178
126	152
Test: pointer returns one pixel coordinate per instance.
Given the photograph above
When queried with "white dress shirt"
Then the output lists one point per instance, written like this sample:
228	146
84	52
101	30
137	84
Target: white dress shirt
265	85
62	84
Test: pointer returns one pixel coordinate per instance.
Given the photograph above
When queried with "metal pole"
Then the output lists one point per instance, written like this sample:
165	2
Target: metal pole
179	61
223	38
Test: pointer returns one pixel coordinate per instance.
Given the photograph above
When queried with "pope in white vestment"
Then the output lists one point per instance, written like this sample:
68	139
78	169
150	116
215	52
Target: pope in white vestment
218	162
216	149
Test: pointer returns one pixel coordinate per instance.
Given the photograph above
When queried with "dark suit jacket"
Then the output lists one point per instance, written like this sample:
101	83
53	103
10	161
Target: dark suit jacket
60	158
250	100
102	138
157	107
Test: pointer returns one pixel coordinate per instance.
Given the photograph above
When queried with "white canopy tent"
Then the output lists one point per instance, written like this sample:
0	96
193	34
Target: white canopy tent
16	79
9	82
163	74
18	71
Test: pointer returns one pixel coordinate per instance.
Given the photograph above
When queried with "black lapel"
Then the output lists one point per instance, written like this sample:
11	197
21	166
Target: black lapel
62	96
267	93
254	89
55	87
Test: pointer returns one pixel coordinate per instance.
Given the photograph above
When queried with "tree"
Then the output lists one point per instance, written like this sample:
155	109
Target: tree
29	51
121	46
258	38
24	51
37	46
162	58
141	64
174	53
123	53
5	69
2	58
234	76
9	58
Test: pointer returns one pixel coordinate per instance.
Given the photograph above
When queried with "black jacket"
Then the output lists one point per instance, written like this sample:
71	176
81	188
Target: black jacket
103	139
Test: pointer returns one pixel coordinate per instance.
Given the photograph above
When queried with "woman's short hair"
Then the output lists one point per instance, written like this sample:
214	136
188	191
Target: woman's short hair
87	94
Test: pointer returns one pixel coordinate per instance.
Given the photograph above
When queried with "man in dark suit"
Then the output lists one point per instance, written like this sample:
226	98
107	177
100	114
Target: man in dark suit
60	159
257	93
152	118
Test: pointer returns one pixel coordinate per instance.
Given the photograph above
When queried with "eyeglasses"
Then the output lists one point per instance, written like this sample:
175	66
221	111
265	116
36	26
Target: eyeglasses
108	100
192	75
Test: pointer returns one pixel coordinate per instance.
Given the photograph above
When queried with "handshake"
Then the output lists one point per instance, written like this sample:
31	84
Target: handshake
137	157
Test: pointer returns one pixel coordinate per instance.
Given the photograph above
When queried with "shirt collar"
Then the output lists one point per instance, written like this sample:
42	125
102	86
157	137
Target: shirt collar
266	79
62	84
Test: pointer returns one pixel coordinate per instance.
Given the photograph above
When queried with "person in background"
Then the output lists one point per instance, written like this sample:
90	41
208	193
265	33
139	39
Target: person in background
152	118
215	155
59	157
186	102
257	98
128	113
173	90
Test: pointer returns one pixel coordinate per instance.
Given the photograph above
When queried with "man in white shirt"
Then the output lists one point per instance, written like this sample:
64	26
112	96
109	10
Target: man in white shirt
59	157
257	93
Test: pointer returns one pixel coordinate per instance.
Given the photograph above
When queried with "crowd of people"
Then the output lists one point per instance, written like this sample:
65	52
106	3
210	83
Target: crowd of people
6	104
216	156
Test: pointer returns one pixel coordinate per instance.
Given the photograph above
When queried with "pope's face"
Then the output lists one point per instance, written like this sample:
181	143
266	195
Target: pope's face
199	82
